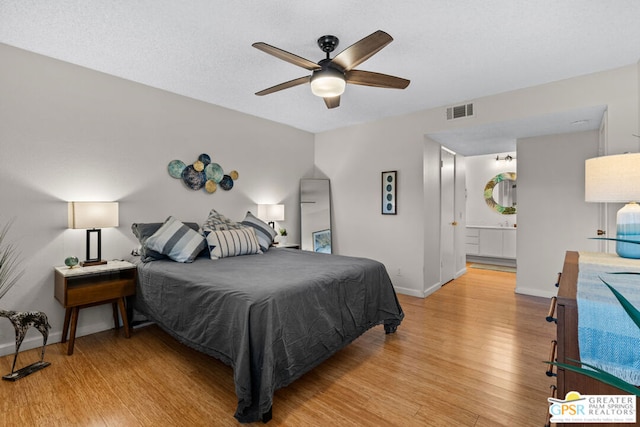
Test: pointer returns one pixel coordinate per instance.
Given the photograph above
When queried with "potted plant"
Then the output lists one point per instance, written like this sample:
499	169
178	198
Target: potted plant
283	235
9	260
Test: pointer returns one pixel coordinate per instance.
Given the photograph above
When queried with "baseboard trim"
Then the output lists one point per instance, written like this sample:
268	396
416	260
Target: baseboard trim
507	262
534	292
35	340
407	291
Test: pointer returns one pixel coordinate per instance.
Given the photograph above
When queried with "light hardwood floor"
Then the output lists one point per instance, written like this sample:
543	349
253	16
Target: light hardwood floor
469	355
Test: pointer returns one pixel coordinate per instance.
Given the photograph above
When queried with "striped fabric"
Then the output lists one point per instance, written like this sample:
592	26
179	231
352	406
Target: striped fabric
228	243
177	241
264	232
217	221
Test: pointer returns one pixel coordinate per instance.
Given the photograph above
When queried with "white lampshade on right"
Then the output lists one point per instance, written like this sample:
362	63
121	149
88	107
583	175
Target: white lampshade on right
271	213
616	179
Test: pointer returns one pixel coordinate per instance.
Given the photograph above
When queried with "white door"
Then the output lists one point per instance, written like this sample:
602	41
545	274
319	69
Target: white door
447	217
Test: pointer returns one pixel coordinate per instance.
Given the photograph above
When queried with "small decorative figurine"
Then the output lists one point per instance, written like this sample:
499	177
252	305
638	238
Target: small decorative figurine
71	261
21	321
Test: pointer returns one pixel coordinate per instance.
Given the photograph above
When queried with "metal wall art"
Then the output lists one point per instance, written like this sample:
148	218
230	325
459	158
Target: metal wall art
389	193
21	321
202	174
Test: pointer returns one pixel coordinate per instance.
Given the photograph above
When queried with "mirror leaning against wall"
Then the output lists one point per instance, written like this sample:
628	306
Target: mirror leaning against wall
315	215
500	193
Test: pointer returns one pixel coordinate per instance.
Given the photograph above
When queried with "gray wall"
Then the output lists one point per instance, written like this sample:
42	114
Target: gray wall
553	216
353	158
68	133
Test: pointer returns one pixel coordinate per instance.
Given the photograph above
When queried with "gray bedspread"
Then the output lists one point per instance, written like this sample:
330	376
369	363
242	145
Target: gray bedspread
272	317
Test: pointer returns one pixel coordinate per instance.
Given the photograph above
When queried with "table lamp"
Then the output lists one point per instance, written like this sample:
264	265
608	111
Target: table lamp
93	216
271	213
616	179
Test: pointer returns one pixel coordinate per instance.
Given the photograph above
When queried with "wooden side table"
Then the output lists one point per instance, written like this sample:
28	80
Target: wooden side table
287	245
81	287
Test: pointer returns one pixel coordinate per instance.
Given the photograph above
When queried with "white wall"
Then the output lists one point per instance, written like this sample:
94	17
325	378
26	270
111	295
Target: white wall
553	218
480	170
68	133
353	158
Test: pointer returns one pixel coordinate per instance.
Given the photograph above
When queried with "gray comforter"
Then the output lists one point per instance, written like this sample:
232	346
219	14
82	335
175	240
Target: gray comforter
272	317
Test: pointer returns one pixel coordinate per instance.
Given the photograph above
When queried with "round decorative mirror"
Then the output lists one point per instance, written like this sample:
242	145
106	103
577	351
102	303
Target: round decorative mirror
500	193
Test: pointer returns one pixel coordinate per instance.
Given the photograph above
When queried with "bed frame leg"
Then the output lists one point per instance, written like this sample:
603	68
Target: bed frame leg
390	328
266	417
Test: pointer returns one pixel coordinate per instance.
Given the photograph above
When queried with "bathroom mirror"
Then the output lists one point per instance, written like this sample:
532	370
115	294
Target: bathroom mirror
315	215
500	193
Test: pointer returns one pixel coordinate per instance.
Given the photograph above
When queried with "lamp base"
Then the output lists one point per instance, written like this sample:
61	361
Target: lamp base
628	228
90	262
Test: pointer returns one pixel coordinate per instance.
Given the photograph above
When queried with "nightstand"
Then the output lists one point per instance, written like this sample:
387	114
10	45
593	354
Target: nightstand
81	287
287	245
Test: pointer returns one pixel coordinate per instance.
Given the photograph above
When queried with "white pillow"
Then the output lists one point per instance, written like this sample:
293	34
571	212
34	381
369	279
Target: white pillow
228	243
177	241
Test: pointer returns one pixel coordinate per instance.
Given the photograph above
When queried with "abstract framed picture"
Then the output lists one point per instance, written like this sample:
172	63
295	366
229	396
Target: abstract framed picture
389	193
322	241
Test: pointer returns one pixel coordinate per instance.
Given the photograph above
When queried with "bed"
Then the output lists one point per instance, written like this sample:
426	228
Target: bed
272	316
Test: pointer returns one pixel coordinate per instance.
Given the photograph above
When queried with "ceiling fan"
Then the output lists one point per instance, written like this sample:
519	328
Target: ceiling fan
330	76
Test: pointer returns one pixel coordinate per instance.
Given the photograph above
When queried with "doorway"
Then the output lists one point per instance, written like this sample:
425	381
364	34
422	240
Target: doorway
447	216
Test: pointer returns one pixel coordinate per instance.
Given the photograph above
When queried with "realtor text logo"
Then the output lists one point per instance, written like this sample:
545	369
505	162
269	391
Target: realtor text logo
576	408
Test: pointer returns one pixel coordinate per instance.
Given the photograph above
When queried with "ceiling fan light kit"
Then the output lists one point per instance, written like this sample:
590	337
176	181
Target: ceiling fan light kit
330	76
328	83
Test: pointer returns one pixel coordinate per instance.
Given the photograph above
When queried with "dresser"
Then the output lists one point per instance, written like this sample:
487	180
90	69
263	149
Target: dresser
566	312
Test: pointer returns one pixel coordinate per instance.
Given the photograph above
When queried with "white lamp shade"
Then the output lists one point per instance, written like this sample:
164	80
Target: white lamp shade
328	83
613	179
93	214
271	212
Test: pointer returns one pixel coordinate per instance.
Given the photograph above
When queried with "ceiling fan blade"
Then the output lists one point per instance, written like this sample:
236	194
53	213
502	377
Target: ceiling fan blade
286	56
369	78
285	85
332	102
362	50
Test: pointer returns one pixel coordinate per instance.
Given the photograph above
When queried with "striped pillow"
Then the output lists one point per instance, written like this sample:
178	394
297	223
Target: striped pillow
228	243
217	221
264	232
177	241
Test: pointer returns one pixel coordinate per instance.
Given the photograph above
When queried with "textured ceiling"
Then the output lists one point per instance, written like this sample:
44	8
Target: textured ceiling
452	51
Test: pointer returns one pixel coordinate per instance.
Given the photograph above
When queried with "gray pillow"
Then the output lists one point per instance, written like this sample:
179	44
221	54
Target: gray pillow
177	241
145	230
264	232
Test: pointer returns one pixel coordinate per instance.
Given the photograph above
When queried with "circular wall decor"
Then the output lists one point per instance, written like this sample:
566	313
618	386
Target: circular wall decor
202	174
192	178
507	177
214	172
175	168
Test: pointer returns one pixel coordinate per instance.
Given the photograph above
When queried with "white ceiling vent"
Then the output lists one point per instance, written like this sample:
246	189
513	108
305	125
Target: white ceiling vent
459	111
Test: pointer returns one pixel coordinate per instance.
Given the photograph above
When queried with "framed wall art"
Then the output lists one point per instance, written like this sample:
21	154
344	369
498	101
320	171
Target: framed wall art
322	241
389	193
